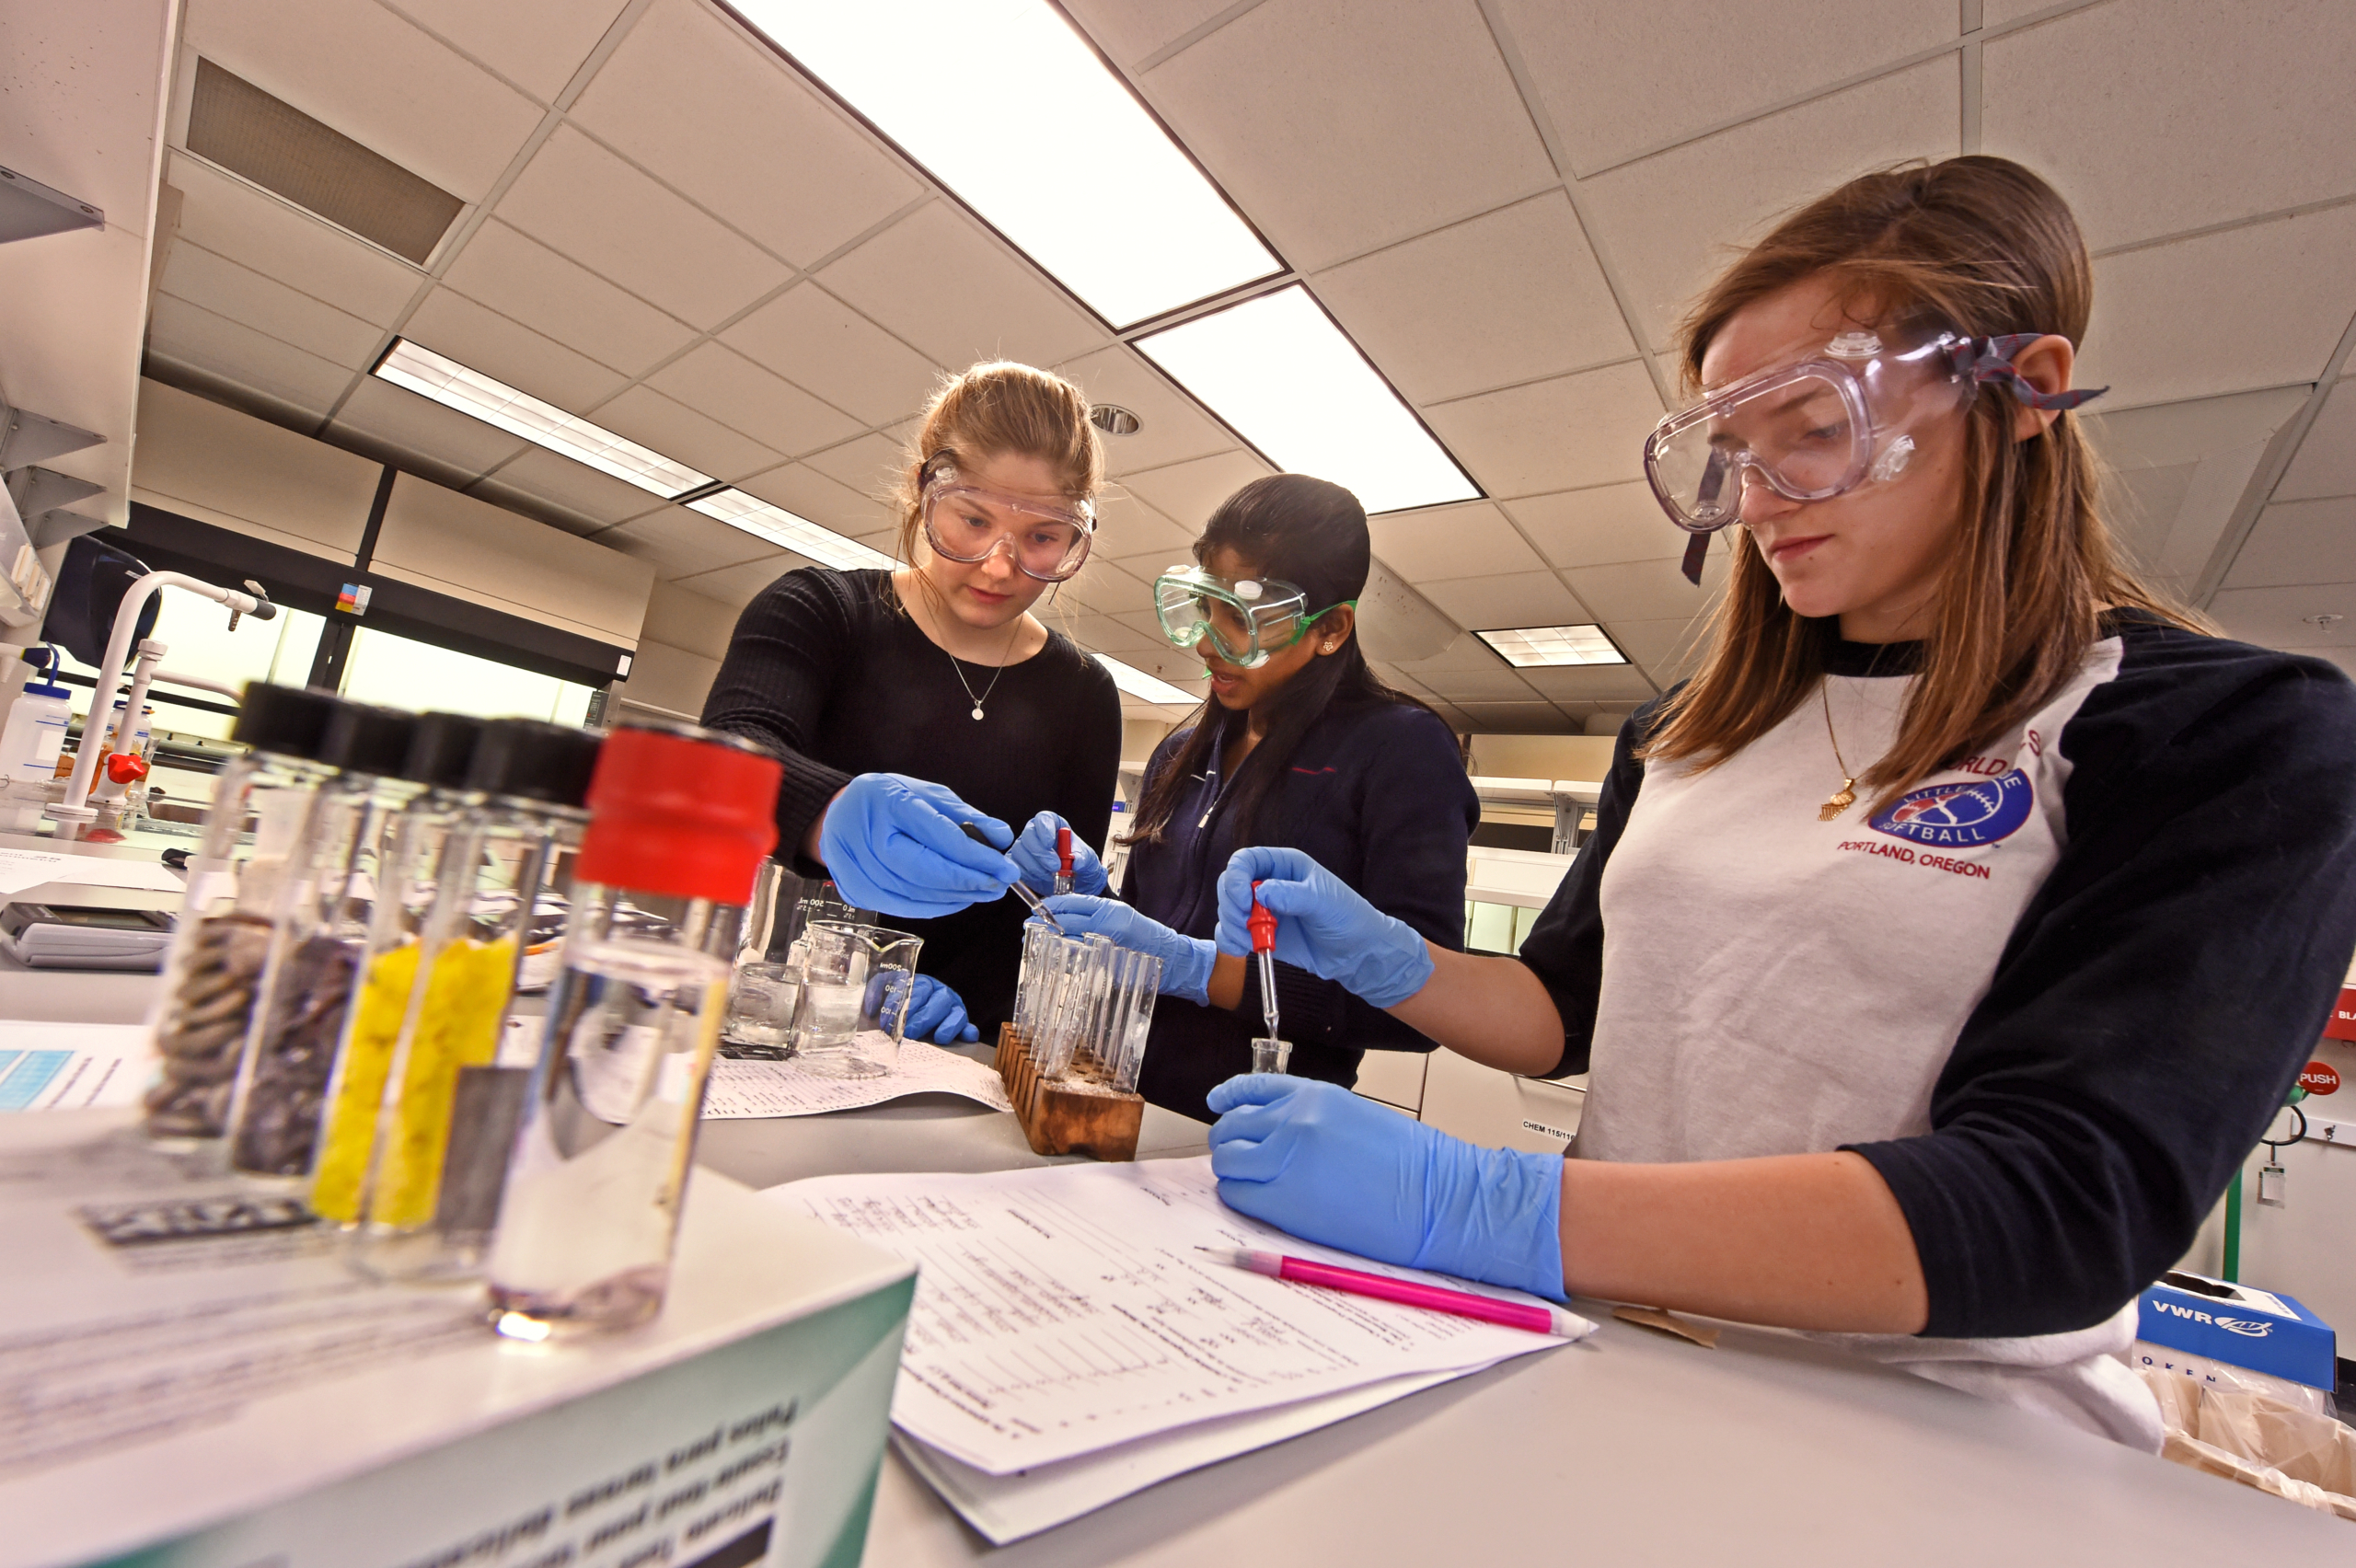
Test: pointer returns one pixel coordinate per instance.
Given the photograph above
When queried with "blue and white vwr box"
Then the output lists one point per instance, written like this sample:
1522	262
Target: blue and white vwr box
2235	1323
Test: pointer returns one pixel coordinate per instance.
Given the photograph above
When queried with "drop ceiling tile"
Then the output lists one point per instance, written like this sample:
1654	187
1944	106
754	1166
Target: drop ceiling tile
237	221
1521	598
816	342
1616	79
2178	472
1499	684
1599	525
805	492
2222	120
580	199
678	431
2297	543
1180	669
2140	507
720	117
871	464
1507	297
935	279
1104	634
1341	128
226	288
1128	529
388	84
1591	683
1666	222
1587	429
1648	590
2343	657
452	442
2260	306
2279	617
449	323
1666	650
714	379
193	335
1464	652
1189	492
1171	427
681	543
1128	31
2326	461
1442	542
575	487
519	277
536	507
536	44
1147	627
1517	718
738	585
1105	589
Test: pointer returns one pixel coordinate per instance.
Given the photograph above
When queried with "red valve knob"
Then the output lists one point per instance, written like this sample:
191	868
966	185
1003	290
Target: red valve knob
1262	924
122	767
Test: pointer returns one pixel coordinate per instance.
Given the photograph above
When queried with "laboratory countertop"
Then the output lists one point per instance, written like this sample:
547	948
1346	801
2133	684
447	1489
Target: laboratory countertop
1629	1447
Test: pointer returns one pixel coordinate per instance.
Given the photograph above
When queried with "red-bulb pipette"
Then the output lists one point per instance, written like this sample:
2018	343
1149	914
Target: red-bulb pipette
1406	1292
1063	859
1270	1054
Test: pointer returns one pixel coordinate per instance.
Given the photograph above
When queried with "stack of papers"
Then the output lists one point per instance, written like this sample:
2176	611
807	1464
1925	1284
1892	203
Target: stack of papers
740	1089
1069	1345
72	1067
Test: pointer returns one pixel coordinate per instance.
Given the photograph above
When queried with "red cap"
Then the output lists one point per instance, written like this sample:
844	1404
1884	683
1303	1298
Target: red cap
1263	924
1063	849
669	813
126	768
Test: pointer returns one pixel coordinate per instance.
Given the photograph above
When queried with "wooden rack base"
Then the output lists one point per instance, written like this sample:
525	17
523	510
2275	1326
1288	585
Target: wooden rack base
1070	1116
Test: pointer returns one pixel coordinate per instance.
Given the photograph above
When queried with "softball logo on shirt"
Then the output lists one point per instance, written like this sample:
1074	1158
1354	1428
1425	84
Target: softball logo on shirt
1959	816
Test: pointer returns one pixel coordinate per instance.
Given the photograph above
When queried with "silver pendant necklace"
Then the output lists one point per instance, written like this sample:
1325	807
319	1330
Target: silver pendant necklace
961	681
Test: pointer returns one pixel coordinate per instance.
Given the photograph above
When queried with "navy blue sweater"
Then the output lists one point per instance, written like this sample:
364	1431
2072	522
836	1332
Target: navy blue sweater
1376	793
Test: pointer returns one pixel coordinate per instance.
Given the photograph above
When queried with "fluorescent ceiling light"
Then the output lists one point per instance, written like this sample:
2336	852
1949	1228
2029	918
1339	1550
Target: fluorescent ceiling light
494	402
1531	647
795	533
1145	687
1012	111
1279	370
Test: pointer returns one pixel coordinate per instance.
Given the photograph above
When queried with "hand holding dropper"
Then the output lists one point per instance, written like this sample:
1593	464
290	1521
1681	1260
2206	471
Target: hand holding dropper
1038	907
1269	1053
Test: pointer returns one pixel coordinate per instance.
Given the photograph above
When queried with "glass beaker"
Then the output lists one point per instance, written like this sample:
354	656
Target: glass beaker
856	981
761	1001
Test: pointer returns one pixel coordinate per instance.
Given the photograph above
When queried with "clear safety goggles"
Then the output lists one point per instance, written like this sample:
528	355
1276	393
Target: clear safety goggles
965	523
1845	416
1246	618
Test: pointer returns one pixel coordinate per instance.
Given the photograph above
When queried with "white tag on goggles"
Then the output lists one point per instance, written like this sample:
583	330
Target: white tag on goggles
1246	618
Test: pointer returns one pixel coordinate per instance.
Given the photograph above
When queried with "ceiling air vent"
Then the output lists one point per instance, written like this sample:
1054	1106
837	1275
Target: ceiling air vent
236	124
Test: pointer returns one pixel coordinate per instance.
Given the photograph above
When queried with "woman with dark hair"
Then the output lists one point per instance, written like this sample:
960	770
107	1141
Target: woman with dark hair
1299	745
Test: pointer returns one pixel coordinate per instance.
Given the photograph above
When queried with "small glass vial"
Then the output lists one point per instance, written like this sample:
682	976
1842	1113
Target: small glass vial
680	818
234	881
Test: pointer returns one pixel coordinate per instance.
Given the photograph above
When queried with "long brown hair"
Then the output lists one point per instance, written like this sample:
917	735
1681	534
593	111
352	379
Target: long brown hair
1979	246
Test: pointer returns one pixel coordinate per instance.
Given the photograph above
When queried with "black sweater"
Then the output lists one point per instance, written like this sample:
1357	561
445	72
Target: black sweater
825	670
2154	998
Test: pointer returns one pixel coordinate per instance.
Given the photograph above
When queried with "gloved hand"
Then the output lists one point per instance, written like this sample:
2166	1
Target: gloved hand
892	843
1185	960
937	1013
1315	1160
1035	854
1322	926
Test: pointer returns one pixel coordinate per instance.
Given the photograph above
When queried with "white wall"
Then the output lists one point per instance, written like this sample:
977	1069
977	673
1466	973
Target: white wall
681	644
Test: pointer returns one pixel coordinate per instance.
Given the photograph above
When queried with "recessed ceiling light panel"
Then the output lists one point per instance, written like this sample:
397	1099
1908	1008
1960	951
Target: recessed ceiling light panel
788	530
469	391
1145	687
1279	370
1011	109
1538	647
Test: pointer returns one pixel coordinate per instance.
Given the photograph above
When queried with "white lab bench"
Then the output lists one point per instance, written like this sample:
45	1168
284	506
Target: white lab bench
1627	1448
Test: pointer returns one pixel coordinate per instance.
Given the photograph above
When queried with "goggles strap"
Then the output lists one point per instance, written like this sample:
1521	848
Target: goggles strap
1697	545
1992	360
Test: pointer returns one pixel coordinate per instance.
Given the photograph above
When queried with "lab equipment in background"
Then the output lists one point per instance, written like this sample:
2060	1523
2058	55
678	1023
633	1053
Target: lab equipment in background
591	1205
1269	1053
1070	1056
855	985
131	741
56	936
234	881
317	932
34	736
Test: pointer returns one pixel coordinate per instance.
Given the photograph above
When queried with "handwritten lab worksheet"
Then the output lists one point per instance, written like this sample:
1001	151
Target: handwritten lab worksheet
1060	1311
741	1089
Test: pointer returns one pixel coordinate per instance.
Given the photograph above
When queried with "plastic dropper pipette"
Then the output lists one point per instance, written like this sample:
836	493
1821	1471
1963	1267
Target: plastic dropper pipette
1063	859
1270	1054
1018	888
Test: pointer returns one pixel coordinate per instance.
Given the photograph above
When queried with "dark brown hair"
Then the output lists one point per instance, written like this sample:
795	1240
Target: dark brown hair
1979	246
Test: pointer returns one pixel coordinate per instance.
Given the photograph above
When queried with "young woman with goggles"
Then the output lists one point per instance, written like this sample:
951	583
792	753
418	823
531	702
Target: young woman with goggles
1301	745
1945	943
909	702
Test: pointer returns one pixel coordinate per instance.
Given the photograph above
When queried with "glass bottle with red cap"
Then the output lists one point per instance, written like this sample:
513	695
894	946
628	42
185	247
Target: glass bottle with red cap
680	820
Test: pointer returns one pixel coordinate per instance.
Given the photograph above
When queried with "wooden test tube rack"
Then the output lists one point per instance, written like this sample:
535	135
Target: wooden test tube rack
1073	1115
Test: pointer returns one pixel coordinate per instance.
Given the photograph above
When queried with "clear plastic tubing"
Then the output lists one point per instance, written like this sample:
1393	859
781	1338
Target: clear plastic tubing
317	931
589	1212
451	1097
205	1002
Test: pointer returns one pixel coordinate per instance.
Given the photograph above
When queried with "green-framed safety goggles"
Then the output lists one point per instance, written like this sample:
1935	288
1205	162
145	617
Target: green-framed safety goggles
1246	618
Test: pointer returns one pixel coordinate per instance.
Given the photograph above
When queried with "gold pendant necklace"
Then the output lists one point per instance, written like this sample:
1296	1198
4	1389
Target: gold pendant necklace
1841	799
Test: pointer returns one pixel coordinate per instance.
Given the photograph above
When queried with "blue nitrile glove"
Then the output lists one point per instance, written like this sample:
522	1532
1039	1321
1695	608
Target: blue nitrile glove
1322	926
1185	960
1034	853
1319	1161
892	843
938	1014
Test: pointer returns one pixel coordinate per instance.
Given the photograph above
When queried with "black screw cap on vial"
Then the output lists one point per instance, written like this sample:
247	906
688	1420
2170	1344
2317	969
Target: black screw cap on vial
442	748
531	759
363	738
288	720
